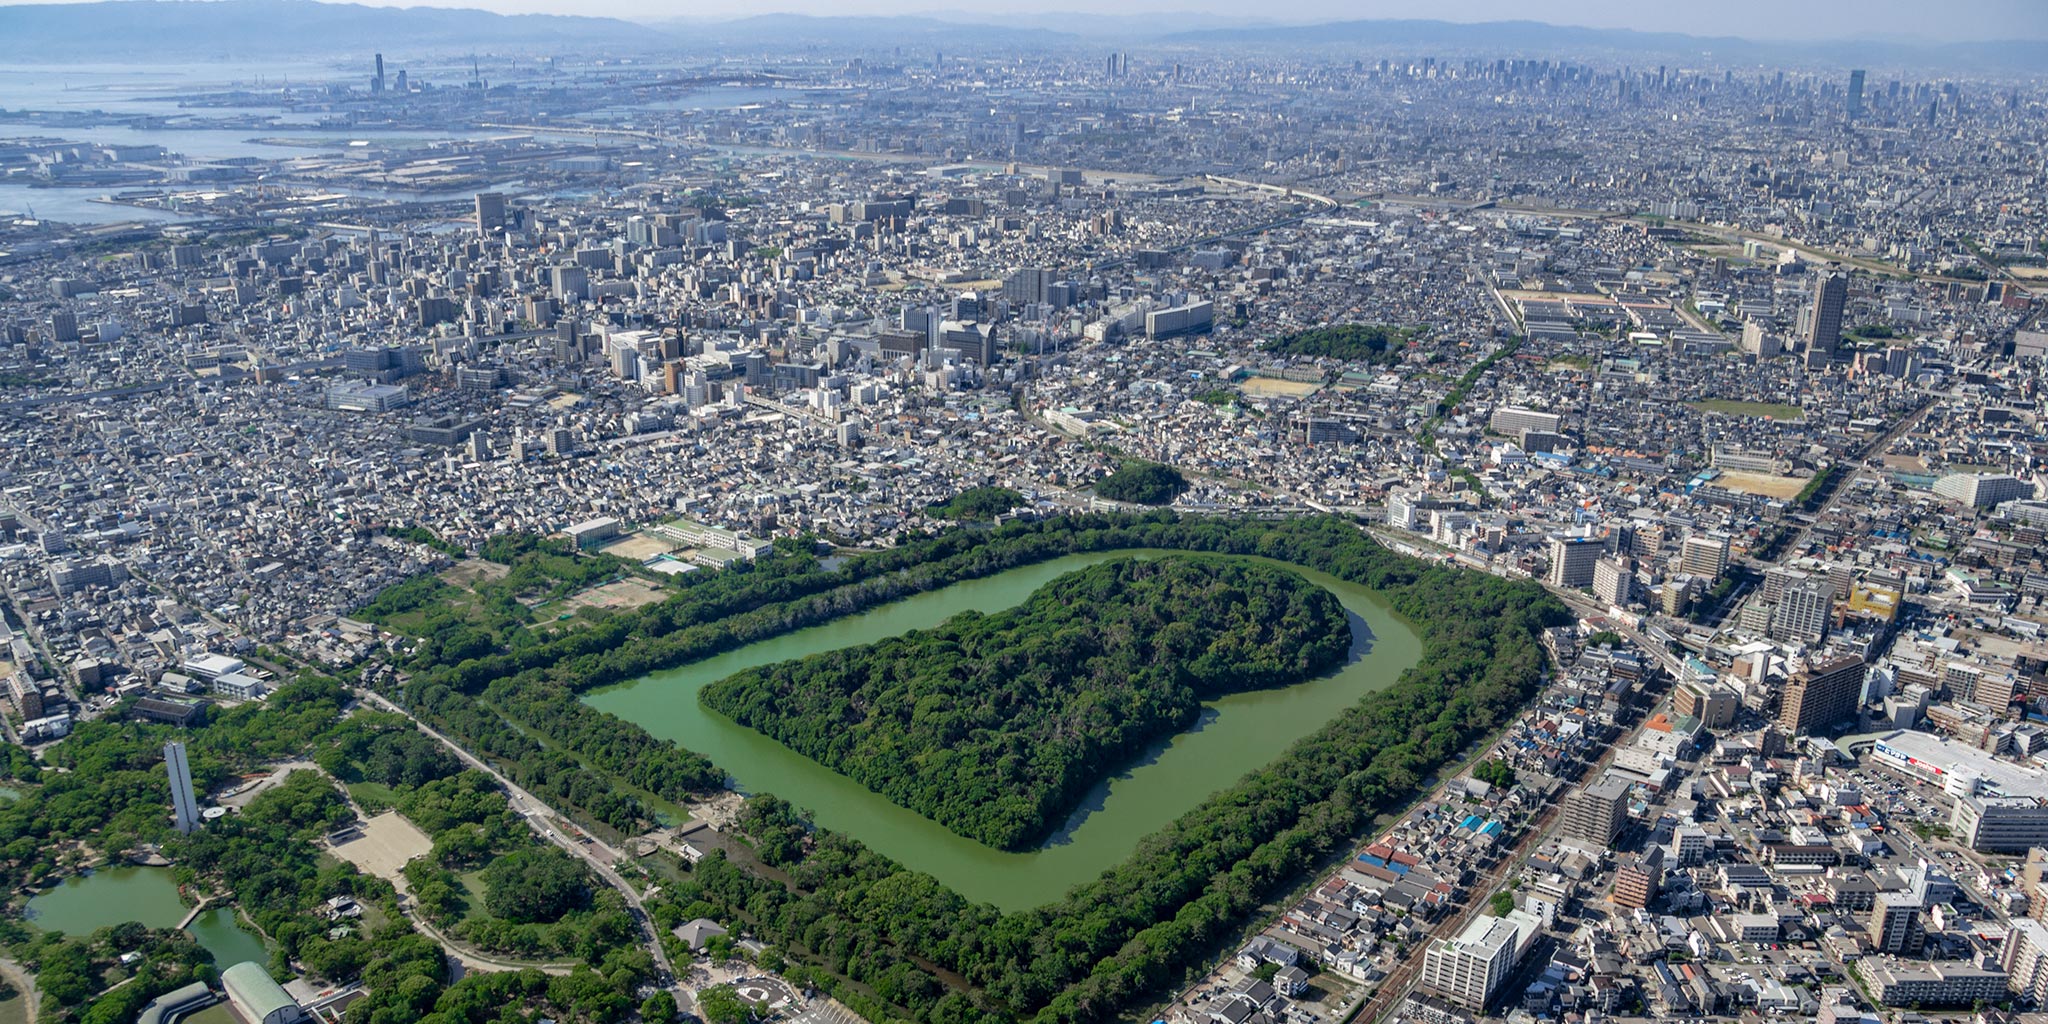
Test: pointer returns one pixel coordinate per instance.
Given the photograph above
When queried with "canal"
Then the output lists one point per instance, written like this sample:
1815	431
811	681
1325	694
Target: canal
1236	735
82	904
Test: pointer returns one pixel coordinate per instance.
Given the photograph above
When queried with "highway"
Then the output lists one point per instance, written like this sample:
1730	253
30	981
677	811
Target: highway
537	814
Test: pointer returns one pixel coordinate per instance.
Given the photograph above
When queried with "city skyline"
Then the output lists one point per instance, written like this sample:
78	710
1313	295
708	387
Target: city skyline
1829	21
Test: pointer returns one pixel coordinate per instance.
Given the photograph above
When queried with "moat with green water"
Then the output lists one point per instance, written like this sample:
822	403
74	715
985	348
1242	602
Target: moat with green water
1236	735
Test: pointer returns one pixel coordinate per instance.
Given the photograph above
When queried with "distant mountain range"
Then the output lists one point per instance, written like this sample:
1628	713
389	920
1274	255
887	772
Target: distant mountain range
799	31
1539	38
179	30
184	30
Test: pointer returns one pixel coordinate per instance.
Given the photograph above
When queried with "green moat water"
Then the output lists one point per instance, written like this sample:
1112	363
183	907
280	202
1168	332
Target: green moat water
1237	734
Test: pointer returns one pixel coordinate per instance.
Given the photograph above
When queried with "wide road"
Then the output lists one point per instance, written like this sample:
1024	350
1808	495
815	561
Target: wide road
1402	980
1844	486
537	814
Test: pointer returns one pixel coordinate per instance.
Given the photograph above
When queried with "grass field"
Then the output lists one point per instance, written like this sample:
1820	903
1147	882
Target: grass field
1766	410
218	1013
373	796
14	1009
472	894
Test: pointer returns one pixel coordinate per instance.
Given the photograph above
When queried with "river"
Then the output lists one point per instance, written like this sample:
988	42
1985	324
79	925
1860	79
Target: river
82	904
1236	735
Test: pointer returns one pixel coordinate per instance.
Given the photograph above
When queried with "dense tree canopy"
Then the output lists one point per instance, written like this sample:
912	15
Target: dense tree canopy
1143	483
980	503
1371	343
996	725
865	928
535	885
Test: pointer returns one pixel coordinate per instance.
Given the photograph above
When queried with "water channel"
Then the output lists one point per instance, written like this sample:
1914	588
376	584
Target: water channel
1237	734
83	903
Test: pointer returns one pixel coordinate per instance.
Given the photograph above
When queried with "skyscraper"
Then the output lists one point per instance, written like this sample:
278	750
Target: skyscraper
1855	104
377	83
184	809
1824	324
490	212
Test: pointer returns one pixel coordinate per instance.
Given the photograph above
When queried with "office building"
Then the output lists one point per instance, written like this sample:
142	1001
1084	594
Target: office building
570	284
184	806
2000	824
1982	490
1572	560
1704	555
1824	320
1854	103
1467	970
1597	813
1026	286
63	326
1822	694
490	212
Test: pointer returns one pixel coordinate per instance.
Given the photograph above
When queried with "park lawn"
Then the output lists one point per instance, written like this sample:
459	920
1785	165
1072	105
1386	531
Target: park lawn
473	895
218	1013
374	797
1766	410
14	1009
461	602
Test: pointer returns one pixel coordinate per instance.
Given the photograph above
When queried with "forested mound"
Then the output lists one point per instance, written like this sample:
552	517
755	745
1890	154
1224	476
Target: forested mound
997	725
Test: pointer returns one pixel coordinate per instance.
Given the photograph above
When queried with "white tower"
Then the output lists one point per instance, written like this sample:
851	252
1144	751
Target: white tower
184	809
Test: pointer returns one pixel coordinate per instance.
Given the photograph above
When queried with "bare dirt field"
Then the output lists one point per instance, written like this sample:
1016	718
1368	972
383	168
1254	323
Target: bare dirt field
1274	386
627	593
386	843
1762	483
639	547
471	571
252	787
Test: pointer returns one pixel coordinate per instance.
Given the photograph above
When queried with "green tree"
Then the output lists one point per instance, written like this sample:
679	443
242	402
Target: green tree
720	1004
1143	483
659	1008
539	884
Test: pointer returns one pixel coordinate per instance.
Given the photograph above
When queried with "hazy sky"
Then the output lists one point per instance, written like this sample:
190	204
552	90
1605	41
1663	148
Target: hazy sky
1922	20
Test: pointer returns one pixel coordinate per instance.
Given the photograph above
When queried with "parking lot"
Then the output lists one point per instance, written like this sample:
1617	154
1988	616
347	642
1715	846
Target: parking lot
826	1011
